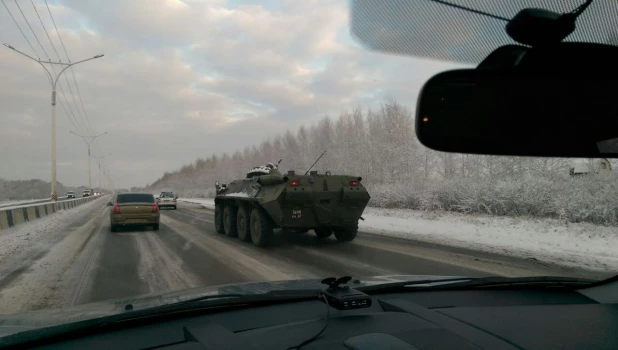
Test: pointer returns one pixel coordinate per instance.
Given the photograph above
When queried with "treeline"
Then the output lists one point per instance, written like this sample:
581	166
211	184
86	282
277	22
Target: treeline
381	146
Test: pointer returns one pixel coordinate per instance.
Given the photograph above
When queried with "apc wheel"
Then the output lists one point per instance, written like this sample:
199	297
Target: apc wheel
219	218
347	233
229	220
301	230
243	223
323	232
261	228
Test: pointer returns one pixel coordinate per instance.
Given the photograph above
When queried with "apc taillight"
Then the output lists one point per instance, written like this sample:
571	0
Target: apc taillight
354	183
117	209
293	183
155	208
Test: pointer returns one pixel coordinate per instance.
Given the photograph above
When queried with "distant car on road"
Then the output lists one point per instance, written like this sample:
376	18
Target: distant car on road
167	199
134	209
70	194
86	193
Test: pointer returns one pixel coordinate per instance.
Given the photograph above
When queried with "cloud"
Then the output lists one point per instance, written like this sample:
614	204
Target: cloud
183	79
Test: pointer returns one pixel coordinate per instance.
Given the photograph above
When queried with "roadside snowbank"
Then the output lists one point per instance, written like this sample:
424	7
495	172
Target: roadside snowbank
580	245
31	238
207	203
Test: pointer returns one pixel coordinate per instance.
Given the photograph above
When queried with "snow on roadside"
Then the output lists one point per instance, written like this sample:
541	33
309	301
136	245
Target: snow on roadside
36	258
581	245
24	239
207	203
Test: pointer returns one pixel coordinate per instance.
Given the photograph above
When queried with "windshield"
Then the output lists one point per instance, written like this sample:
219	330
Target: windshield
226	105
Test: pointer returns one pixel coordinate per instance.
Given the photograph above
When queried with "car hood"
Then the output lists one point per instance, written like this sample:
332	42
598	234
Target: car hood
23	321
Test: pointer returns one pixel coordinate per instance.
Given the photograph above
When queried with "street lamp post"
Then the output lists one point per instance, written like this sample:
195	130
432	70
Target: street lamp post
99	164
110	179
88	140
53	82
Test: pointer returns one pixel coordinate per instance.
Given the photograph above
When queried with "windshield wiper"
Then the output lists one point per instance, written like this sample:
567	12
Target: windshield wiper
481	282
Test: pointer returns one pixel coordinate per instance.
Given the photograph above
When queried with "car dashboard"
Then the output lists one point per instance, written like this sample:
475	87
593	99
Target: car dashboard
461	319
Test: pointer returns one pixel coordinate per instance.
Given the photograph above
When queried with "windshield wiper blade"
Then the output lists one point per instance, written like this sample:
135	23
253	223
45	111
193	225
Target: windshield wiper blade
274	295
481	282
210	297
523	282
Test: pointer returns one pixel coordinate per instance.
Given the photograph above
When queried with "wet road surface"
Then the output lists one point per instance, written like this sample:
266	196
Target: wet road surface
84	261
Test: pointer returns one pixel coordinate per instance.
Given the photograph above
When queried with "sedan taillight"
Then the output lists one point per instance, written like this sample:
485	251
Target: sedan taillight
117	209
155	208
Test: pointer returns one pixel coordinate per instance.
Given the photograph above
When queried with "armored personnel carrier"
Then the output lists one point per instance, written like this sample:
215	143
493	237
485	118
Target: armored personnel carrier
251	208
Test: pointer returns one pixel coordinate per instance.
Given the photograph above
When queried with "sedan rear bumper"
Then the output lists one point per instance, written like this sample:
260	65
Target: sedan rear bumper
120	221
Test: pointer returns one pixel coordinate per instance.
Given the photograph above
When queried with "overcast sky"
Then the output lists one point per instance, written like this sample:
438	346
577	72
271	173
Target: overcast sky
181	80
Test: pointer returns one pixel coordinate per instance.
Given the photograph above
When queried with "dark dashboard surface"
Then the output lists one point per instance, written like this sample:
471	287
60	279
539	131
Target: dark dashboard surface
481	319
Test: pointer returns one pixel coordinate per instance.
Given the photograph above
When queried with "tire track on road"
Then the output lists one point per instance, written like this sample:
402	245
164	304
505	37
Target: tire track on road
251	264
116	275
89	259
160	268
327	257
372	255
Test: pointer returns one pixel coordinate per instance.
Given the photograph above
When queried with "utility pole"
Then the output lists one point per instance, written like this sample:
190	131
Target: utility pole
88	140
53	82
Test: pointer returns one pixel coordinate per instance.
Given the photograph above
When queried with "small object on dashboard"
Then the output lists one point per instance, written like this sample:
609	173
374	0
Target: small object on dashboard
342	297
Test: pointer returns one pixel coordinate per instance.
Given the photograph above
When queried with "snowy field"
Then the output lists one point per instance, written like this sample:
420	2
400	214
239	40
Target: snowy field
582	245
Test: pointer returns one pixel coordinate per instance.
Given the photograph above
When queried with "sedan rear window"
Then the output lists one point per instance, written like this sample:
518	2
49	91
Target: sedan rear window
166	195
135	198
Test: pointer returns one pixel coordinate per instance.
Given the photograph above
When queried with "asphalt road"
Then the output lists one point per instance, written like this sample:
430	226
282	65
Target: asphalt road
85	262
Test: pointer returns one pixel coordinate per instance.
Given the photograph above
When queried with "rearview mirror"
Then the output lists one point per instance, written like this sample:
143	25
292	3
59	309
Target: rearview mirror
507	112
